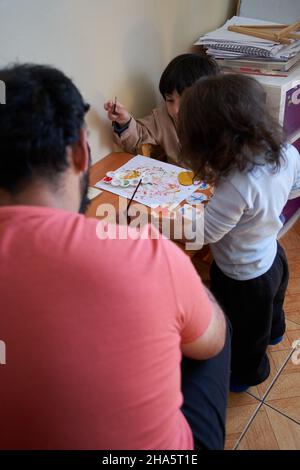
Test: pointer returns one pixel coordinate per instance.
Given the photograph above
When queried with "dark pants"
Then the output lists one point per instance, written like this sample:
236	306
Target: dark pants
255	310
205	386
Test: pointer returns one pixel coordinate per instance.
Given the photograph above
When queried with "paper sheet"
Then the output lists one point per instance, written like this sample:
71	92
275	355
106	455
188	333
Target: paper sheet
93	192
163	186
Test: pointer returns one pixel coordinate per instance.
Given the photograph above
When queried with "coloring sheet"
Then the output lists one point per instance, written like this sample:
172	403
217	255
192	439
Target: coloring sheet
159	185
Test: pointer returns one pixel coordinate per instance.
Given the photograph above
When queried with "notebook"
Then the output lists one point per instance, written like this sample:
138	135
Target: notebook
222	42
261	63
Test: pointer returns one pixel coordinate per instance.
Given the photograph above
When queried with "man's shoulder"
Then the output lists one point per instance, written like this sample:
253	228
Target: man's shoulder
54	228
81	237
77	239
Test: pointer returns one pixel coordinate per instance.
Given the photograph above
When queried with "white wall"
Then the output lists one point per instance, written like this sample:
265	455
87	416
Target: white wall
109	47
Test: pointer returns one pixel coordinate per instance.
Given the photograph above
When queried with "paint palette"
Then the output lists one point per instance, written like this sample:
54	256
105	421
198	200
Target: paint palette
126	178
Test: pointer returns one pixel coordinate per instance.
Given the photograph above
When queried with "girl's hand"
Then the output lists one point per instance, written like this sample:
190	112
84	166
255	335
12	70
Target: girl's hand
117	112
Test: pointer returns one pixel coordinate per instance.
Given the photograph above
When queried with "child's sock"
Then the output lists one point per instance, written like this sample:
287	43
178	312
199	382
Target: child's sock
276	340
237	387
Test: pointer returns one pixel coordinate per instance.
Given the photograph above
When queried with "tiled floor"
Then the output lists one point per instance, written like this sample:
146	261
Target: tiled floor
268	416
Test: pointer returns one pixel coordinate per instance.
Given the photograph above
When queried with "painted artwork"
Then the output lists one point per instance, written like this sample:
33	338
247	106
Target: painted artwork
160	183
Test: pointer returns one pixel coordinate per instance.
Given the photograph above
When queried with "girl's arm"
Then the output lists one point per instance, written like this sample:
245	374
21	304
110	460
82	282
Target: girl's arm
223	212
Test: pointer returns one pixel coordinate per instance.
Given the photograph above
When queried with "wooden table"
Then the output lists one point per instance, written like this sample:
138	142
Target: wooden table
112	162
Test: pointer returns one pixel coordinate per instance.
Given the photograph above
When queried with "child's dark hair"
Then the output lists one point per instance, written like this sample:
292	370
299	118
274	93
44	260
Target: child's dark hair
224	124
184	70
43	114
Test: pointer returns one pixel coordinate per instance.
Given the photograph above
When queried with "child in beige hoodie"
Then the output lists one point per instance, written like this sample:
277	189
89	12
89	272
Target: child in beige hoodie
160	127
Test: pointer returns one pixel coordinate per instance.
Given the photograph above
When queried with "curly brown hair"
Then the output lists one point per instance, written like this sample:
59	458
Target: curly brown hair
224	124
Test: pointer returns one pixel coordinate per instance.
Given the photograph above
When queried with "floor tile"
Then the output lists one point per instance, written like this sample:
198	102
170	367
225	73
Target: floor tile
288	406
280	358
292	256
260	435
286	386
294	269
292	307
286	431
293	332
294	286
231	440
292	303
285	393
241	408
291	240
293	316
271	431
238	417
240	399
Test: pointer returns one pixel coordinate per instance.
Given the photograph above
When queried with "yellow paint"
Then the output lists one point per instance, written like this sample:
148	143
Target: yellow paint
186	178
130	174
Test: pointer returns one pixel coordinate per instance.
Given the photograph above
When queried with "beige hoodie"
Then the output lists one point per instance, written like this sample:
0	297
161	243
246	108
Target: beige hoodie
157	129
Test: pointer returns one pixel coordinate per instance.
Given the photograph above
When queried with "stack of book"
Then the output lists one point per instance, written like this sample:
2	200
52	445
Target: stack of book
241	53
259	66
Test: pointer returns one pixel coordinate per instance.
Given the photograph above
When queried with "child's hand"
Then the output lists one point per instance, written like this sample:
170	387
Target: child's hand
117	112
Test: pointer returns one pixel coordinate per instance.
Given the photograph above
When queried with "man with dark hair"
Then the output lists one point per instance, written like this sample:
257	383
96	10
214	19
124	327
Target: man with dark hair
43	117
94	329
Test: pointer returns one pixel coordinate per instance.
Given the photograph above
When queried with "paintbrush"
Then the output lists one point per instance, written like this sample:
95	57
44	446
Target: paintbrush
114	110
129	203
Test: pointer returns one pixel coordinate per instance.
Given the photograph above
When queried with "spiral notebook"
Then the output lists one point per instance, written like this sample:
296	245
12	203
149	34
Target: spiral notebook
234	44
244	49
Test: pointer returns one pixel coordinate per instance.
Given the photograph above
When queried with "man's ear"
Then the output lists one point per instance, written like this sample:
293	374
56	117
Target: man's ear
78	154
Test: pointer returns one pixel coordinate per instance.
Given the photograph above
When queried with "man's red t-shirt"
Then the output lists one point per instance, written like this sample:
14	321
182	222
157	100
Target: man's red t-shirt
92	330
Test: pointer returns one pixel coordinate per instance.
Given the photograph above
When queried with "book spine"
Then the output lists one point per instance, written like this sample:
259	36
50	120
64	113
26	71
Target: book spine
254	71
254	65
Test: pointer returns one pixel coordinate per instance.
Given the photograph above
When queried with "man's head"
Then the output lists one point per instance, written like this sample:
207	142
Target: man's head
181	73
42	137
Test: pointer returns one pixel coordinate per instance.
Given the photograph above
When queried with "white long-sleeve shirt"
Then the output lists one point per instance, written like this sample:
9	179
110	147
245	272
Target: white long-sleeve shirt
242	220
